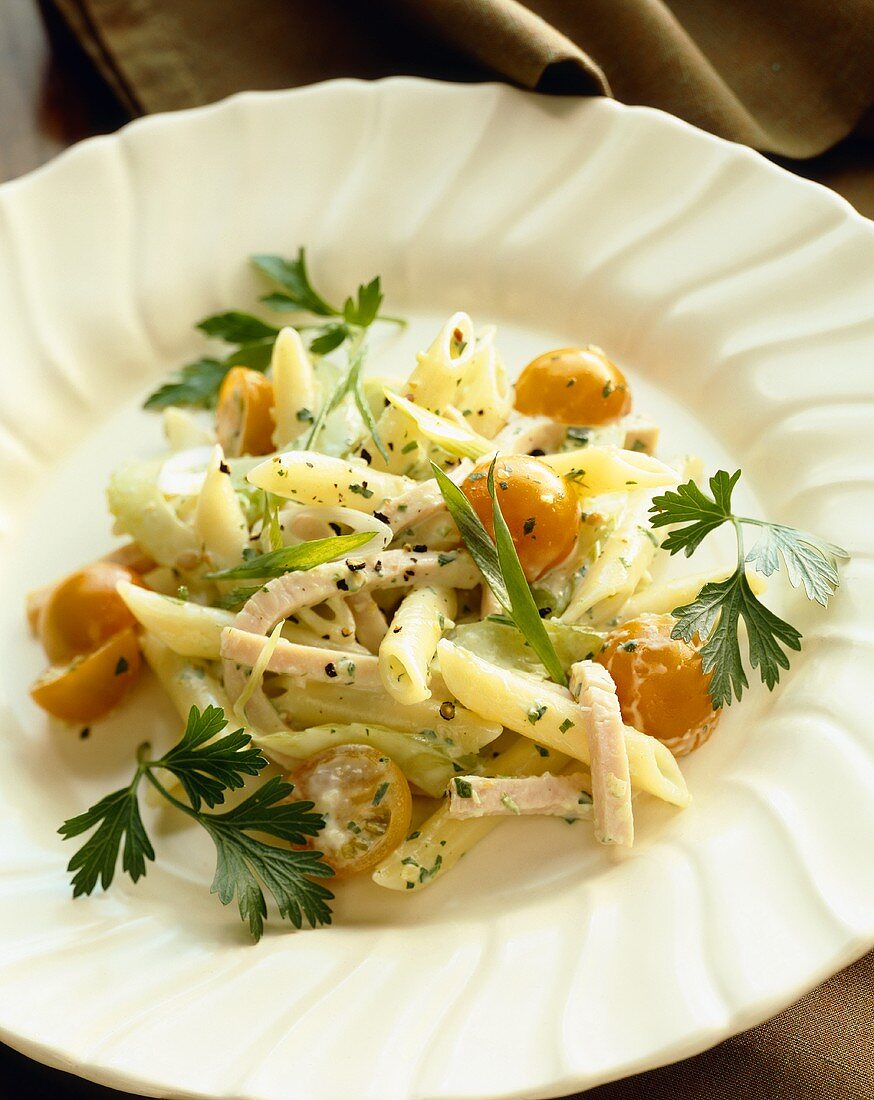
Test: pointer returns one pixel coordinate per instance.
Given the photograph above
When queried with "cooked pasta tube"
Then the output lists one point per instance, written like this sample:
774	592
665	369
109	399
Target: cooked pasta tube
485	396
424	760
294	387
310	478
626	555
189	629
189	683
184	429
597	470
442	714
408	648
218	519
370	624
433	385
661	597
439	842
548	714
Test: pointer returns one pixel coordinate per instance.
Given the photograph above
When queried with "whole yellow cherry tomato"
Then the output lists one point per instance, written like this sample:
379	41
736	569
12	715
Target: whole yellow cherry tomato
660	682
91	685
82	611
244	420
541	508
574	386
365	800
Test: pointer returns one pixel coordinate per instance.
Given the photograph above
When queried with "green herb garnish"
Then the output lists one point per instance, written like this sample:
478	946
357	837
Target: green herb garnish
198	383
350	383
307	555
499	564
208	766
714	615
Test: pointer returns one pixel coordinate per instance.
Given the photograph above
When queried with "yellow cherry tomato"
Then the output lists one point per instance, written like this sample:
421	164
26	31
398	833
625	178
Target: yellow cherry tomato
244	420
92	684
541	508
662	688
573	386
84	610
366	803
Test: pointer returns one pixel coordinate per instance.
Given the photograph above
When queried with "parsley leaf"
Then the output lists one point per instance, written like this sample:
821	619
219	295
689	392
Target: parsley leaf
714	616
363	312
195	384
244	862
118	820
207	765
688	504
297	292
809	560
306	555
330	337
235	327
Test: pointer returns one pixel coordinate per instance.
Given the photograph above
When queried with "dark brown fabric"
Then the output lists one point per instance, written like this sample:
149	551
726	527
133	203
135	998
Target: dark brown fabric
794	78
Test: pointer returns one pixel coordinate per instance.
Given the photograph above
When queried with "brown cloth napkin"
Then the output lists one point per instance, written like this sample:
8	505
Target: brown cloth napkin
793	79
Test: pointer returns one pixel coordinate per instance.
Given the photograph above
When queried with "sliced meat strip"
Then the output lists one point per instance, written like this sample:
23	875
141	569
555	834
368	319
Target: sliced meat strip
593	688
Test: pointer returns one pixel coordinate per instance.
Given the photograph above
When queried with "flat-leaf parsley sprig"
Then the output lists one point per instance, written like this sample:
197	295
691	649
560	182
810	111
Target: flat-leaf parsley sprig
252	339
715	614
207	766
499	564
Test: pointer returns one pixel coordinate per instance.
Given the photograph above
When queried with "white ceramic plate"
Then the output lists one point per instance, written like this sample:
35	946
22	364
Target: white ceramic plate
739	300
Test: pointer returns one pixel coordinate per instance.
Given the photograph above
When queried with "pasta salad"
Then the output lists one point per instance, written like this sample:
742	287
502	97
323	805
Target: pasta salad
432	602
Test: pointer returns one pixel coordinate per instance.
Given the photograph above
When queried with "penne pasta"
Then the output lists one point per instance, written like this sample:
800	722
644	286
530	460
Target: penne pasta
485	396
309	478
408	648
597	470
548	714
218	519
433	385
188	629
625	556
294	388
442	714
661	597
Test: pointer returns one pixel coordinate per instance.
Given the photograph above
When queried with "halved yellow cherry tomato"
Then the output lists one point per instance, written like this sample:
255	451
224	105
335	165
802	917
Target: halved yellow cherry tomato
541	508
573	386
244	416
93	684
661	685
366	803
83	610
